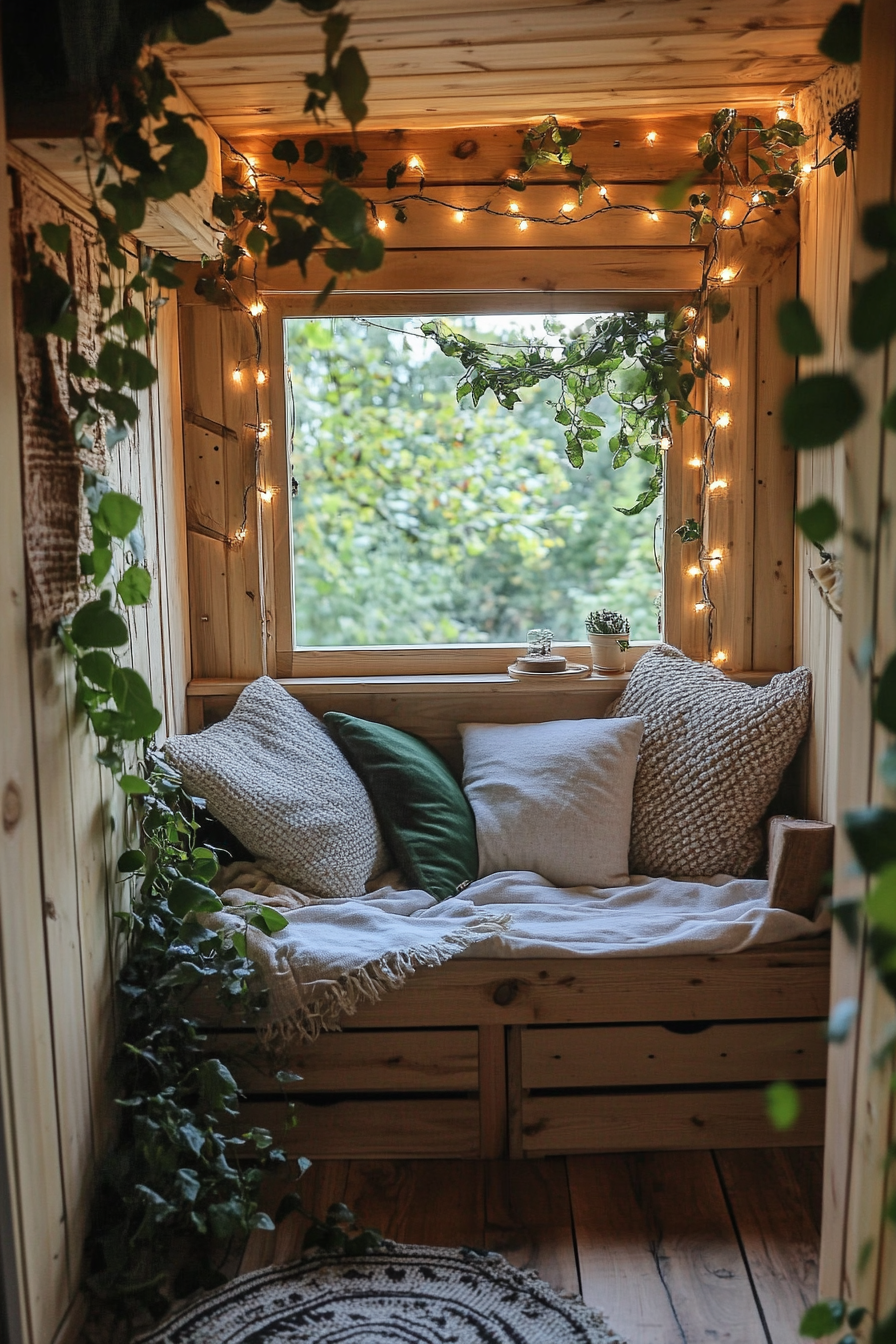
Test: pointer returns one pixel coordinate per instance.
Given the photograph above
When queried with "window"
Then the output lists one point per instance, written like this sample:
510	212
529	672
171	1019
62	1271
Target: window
417	520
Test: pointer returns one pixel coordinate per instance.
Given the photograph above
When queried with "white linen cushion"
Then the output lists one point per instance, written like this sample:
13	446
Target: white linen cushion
553	798
272	774
713	754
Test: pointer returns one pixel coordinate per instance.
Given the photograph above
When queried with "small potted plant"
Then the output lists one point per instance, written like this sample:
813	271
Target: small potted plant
608	637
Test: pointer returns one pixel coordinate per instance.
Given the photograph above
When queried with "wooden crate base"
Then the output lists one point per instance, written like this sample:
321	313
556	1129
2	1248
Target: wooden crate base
627	1122
391	1128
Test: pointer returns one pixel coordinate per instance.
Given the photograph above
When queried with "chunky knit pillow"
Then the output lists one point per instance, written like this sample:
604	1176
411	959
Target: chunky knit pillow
712	757
271	773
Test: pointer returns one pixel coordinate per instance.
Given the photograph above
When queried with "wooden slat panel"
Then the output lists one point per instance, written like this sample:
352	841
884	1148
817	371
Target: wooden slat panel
616	147
775	484
624	1122
657	1250
514	269
492	1092
682	625
730	524
776	1231
440	1127
376	1061
620	1056
750	984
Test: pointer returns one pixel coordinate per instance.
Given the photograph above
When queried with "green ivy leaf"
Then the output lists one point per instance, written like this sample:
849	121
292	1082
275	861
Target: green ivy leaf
217	1087
97	667
872	320
879	226
797	332
872	834
314	151
884	1331
57	237
198	25
137	371
186	896
670	196
131	861
342	212
270	920
840	163
287	152
118	513
186	164
823	1318
46	298
133	784
351	81
257	240
129	204
719	308
818	521
134	586
131	321
690	530
880	904
843	1014
885	696
96	626
841	40
133	699
818	411
782	1105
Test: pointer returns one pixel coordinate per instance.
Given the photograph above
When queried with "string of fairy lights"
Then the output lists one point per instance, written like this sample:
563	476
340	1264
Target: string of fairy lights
737	212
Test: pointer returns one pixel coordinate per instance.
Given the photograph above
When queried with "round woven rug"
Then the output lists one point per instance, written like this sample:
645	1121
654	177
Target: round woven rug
395	1295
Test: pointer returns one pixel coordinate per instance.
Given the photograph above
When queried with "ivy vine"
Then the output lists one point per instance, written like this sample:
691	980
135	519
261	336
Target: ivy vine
182	1180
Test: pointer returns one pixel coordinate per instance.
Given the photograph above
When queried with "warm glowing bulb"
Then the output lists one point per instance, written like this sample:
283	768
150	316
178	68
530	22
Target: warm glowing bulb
266	495
651	137
715	559
256	308
655	217
381	225
237	374
513	208
523	225
459	216
695	571
726	275
726	216
806	169
414	162
695	461
264	429
701	342
756	199
725	382
261	377
723	420
781	114
567	207
240	534
690	313
720	657
665	443
700	606
602	191
718	485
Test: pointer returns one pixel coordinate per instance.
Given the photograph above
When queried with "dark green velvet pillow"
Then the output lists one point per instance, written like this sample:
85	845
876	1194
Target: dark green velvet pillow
425	818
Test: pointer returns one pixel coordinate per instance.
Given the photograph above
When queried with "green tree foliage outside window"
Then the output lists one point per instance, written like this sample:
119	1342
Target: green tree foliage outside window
420	520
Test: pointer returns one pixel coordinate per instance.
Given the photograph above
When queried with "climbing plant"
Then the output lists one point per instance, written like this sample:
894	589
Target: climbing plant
172	1180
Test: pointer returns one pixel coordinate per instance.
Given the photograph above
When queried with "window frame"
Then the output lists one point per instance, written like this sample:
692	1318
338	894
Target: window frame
402	659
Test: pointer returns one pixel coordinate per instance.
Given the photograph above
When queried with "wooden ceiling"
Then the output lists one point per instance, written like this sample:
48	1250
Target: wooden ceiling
484	62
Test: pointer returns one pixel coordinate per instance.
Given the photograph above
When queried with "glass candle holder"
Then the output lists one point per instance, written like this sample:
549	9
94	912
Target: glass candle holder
539	643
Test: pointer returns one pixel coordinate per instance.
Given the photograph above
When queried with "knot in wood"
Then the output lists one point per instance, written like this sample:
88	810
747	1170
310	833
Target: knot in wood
505	993
12	806
466	149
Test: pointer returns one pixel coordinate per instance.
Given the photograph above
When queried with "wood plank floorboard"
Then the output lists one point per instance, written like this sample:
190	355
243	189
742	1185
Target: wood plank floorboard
777	1233
674	1248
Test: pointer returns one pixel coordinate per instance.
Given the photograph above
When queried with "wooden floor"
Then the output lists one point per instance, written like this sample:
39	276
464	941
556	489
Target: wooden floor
674	1248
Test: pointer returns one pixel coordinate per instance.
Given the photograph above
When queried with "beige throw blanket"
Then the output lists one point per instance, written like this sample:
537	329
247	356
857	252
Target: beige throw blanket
336	955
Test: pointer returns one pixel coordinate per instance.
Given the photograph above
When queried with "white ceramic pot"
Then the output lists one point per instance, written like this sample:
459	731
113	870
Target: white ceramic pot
608	652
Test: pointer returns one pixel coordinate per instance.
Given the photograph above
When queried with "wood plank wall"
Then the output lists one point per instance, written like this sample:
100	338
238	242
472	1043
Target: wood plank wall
58	974
857	1239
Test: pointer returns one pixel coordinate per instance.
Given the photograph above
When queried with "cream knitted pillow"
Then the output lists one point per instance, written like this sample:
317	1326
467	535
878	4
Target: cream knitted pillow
271	773
712	757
